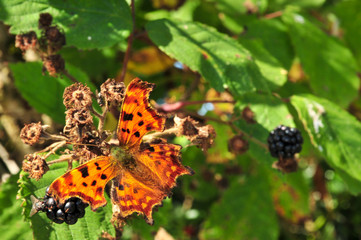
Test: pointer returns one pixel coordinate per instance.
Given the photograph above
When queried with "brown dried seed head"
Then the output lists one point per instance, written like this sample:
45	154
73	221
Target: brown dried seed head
31	133
112	91
186	126
54	64
55	38
238	145
26	41
78	117
248	115
203	136
77	122
77	96
45	20
35	165
206	137
286	165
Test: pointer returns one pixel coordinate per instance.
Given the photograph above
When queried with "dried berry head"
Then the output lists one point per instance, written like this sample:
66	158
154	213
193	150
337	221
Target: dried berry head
35	165
31	133
55	38
45	20
286	165
248	115
77	122
77	96
112	91
203	136
26	41
54	64
238	145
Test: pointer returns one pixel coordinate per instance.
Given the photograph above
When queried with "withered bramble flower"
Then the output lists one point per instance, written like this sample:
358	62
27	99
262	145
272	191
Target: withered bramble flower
112	91
77	96
238	145
26	41
35	165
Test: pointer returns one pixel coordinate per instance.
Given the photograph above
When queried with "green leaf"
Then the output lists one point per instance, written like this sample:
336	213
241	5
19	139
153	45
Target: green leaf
273	34
269	66
89	227
291	194
275	5
335	133
43	92
326	61
350	20
218	58
10	212
245	206
87	24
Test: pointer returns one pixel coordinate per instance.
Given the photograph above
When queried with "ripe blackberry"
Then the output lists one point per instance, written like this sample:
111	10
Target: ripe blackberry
284	142
69	212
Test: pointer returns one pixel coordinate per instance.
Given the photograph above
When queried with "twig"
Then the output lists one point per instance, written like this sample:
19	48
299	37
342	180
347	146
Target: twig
54	147
129	47
172	107
62	158
273	15
234	128
101	118
71	77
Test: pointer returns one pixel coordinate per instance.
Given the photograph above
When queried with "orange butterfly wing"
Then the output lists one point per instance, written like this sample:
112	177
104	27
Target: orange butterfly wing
139	190
137	117
87	182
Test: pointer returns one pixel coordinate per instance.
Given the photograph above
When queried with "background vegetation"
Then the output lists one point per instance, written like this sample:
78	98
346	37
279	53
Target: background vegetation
291	62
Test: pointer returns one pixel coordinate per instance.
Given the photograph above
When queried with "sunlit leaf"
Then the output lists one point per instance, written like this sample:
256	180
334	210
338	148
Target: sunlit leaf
86	24
335	133
327	62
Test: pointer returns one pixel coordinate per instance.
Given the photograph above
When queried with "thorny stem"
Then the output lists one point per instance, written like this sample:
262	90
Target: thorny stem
234	128
273	15
54	137
129	47
71	77
62	158
53	147
178	105
101	118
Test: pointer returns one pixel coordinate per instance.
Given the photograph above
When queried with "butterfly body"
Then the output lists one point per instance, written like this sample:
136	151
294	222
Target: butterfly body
143	174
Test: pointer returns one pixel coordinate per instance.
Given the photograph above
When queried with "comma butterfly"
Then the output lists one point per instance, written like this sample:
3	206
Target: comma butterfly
143	173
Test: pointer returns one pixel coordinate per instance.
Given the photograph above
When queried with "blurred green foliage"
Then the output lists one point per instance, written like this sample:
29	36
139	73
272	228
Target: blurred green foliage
291	62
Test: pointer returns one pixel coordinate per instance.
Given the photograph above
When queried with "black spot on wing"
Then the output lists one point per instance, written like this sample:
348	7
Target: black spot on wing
84	171
127	117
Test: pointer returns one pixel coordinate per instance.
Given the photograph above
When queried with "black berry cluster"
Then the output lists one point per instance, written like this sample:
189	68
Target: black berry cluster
69	212
284	142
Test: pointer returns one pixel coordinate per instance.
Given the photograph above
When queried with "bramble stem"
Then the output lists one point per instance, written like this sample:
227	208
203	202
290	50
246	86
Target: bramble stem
71	77
234	128
62	158
273	15
129	47
172	107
